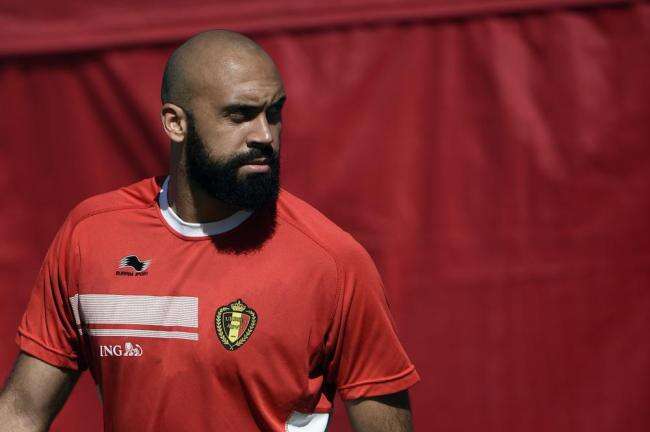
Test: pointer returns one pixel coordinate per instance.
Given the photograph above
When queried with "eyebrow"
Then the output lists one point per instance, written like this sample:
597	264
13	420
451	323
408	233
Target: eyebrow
244	107
238	108
280	101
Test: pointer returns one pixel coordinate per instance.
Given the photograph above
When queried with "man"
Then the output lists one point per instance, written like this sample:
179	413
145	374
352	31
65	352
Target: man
210	299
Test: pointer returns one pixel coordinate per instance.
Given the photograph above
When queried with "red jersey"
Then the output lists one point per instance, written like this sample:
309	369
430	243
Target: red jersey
248	323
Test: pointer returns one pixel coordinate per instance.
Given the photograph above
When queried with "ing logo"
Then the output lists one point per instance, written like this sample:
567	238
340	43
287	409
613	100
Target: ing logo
129	350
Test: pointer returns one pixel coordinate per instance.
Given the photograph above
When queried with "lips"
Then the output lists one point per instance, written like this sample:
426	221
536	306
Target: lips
258	161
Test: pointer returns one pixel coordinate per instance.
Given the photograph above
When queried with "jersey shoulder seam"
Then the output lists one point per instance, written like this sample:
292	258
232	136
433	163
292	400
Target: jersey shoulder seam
87	216
310	237
107	210
339	285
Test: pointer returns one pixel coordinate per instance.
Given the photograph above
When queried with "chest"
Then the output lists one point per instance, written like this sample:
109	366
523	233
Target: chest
185	310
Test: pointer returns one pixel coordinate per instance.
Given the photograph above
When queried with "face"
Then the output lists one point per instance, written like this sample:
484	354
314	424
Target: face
233	140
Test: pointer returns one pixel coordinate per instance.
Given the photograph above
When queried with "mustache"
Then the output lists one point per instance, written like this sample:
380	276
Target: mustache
255	153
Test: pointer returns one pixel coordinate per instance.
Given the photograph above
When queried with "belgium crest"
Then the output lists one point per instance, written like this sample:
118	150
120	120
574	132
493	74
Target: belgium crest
235	323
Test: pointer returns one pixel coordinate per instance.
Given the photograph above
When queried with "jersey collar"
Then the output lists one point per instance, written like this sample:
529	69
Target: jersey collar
192	229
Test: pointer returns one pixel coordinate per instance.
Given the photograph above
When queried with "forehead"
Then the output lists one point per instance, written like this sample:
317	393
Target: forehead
255	83
255	92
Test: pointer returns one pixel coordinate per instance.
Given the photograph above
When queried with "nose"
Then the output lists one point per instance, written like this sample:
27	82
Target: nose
260	133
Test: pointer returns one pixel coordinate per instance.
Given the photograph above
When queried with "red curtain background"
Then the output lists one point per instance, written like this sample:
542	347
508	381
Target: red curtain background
492	156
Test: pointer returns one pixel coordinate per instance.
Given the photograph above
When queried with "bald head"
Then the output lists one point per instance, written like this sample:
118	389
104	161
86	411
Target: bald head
210	59
222	110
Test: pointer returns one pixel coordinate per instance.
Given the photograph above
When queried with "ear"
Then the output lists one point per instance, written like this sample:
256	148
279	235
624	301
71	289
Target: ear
174	122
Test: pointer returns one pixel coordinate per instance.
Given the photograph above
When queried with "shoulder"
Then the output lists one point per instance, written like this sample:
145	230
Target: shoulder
141	194
321	231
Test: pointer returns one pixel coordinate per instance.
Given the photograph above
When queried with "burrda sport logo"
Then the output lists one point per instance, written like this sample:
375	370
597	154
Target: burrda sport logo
129	350
131	265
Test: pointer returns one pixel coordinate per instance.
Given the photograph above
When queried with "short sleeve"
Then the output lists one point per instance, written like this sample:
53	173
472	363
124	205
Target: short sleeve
366	356
48	329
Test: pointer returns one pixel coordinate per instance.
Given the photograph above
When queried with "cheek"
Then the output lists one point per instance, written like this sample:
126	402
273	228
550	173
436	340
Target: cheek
223	142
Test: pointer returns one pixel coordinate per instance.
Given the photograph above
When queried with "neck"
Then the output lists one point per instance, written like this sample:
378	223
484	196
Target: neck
191	203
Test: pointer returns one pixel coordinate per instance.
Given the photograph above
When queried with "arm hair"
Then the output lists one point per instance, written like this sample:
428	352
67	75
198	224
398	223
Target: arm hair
34	394
388	413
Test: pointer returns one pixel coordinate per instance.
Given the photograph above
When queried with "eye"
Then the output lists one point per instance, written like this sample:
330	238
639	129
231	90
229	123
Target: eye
237	117
242	115
274	115
274	112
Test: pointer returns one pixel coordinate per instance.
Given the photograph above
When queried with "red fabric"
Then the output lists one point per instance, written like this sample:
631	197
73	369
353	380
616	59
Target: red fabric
496	168
70	25
321	320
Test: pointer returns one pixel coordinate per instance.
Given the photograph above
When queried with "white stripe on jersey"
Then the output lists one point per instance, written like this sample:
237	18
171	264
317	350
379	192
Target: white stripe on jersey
160	334
165	311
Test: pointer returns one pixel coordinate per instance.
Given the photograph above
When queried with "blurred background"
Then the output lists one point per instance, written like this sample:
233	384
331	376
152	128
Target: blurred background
493	156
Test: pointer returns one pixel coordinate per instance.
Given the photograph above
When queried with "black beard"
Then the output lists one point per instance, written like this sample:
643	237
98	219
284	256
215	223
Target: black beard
219	178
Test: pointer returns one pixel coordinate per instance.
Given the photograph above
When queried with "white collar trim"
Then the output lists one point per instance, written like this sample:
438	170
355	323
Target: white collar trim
193	229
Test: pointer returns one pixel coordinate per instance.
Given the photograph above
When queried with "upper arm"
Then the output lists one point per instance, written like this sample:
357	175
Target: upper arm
381	413
34	394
